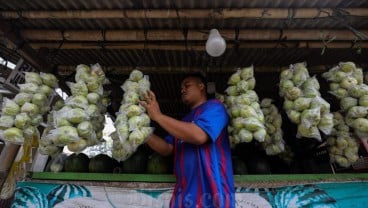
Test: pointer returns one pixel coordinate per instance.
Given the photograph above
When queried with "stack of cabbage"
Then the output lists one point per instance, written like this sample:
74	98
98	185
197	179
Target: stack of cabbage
79	123
342	148
274	143
23	114
132	123
347	85
242	103
303	102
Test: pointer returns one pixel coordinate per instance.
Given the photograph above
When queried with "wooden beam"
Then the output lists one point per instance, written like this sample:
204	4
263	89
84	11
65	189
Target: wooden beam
219	13
125	70
193	35
14	41
180	46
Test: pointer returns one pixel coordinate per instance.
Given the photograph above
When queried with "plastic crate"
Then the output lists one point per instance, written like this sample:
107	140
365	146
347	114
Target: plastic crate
17	76
361	164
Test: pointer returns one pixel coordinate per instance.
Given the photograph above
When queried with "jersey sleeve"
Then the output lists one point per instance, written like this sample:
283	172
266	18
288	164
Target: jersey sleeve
212	119
169	139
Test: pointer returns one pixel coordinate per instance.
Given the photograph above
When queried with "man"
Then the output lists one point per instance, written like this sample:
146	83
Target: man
202	160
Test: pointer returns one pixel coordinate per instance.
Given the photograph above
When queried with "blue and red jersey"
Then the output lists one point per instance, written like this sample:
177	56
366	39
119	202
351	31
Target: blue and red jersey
204	172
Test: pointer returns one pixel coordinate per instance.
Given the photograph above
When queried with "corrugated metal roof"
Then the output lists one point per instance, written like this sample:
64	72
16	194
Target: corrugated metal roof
165	83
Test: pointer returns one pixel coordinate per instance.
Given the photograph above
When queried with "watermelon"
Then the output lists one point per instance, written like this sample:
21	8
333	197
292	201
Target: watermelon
137	163
76	162
158	164
102	163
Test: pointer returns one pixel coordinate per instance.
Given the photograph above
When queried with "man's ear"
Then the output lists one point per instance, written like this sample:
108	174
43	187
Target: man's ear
202	87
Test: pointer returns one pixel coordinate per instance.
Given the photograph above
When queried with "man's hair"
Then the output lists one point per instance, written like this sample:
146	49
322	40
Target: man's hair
199	76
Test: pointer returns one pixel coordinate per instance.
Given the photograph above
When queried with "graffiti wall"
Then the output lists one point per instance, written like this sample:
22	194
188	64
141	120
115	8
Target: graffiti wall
43	195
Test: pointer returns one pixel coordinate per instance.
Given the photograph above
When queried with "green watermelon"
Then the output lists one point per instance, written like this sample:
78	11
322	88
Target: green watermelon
76	163
239	167
137	163
102	163
158	164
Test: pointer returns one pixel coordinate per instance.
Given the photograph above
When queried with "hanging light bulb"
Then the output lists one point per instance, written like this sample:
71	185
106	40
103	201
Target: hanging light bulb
215	45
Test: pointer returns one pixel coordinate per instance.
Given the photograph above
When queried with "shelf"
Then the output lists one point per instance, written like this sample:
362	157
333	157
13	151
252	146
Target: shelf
68	176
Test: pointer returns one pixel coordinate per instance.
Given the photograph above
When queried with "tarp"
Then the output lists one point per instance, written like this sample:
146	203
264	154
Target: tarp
337	194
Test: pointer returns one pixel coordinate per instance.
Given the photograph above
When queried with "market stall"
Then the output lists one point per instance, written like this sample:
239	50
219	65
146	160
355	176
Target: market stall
292	76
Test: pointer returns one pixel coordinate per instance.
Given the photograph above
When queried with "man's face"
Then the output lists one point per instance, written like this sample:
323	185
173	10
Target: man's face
191	90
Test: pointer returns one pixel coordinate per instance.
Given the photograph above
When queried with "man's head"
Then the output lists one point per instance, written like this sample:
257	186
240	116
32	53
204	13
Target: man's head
193	90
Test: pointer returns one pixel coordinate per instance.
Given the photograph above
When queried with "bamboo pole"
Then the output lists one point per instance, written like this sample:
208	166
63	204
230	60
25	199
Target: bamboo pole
193	35
180	46
221	13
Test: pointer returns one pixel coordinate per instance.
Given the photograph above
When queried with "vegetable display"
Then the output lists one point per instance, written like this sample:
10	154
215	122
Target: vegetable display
78	121
23	114
132	123
242	103
303	102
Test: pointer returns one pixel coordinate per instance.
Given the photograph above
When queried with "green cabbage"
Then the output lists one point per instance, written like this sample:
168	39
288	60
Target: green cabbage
22	98
13	135
10	108
135	75
30	108
22	120
6	122
49	79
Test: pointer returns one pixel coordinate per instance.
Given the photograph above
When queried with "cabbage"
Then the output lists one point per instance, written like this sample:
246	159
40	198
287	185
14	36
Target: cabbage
361	124
49	79
266	102
241	86
78	146
22	98
13	135
286	74
30	108
347	67
342	161
260	135
10	108
247	73
92	110
32	77
339	93
129	86
302	103
44	89
246	111
28	88
300	75
36	120
59	104
93	84
93	98
85	129
348	82
6	121
311	132
357	112
135	75
326	123
122	131
245	136
82	72
358	90
251	83
341	142
138	136
310	117
121	118
288	105
77	115
78	101
363	101
22	120
131	97
347	102
293	93
232	90
78	88
64	135
334	86
39	99
143	86
252	124
47	147
311	82
294	116
358	75
138	121
319	102
286	84
132	110
234	78
311	92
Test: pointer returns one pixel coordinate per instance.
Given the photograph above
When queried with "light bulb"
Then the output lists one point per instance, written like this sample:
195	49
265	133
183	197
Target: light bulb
215	45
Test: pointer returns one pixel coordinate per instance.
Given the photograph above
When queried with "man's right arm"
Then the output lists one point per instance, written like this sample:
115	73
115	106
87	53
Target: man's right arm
159	145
